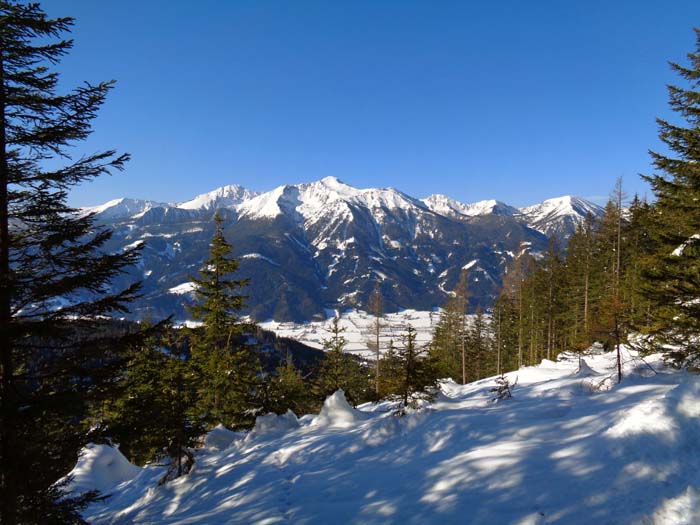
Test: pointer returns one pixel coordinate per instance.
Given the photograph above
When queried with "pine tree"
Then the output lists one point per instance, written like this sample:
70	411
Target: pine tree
52	361
672	277
227	366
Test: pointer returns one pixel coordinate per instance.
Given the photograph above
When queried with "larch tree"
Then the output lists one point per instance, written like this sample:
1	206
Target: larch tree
52	360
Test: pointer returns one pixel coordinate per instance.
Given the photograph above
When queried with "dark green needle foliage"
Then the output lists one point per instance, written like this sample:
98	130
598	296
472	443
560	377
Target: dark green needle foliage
154	415
227	367
672	276
340	370
55	280
416	380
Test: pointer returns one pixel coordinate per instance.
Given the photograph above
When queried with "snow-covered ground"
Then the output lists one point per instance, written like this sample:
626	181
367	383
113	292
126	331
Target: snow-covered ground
571	447
357	326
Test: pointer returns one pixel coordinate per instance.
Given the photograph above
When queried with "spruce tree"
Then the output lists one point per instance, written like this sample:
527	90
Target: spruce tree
391	373
227	366
672	277
341	371
155	415
52	360
448	348
287	389
416	381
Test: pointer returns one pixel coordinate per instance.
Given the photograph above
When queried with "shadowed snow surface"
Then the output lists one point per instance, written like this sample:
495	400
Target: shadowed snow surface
571	447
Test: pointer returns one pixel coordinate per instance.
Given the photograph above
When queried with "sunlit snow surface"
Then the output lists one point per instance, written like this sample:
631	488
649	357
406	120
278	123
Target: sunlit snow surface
571	447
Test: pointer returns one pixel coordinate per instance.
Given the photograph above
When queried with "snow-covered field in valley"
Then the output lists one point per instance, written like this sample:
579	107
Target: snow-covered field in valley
571	447
356	326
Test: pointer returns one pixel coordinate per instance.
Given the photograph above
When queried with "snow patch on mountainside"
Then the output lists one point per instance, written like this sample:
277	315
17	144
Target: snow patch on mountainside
182	289
560	452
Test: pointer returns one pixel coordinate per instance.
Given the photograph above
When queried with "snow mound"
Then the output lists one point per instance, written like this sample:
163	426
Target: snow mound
273	424
584	370
337	412
101	467
220	438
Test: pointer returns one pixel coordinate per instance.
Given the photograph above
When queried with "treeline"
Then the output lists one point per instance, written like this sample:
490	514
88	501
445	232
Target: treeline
591	291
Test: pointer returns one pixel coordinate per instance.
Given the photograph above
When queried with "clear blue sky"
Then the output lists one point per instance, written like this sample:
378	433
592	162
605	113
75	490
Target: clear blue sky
513	100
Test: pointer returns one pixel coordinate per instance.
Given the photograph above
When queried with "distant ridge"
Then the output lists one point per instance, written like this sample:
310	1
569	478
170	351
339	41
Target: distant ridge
323	244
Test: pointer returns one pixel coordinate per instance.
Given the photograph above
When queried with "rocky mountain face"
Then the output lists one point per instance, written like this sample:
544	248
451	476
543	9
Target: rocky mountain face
323	245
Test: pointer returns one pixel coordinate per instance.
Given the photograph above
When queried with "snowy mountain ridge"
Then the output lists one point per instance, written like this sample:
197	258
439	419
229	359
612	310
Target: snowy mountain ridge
309	198
571	447
325	244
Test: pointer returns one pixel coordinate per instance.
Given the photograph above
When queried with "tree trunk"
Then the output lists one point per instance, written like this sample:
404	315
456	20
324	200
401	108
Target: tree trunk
7	392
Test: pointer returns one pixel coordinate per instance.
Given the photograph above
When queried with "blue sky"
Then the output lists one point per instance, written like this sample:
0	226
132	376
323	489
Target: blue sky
513	100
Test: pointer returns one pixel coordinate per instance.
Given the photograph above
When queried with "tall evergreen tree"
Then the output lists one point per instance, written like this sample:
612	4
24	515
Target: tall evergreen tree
52	360
227	366
672	277
448	348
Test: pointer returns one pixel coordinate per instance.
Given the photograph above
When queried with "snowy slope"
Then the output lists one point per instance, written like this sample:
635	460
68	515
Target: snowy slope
570	448
122	208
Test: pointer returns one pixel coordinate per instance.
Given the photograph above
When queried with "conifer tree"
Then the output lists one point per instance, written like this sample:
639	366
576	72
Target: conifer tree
52	361
341	371
416	381
480	344
672	277
155	417
391	372
288	391
449	346
227	367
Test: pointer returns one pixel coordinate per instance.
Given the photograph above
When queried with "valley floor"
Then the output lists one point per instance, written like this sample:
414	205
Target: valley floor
570	447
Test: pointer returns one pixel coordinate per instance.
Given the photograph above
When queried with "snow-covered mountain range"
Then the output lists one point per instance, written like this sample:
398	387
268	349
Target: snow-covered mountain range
308	247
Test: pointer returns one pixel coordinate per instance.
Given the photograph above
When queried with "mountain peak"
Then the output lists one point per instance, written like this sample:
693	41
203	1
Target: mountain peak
445	205
565	212
223	197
